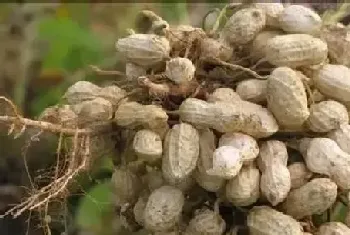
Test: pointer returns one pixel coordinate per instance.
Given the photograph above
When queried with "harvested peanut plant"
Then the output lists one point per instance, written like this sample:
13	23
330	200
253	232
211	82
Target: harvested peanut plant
249	120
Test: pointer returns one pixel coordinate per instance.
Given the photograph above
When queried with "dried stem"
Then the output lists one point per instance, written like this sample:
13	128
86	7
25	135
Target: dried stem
47	126
99	71
217	61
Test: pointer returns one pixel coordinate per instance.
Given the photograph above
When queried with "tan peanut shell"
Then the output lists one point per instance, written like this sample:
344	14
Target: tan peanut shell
324	156
180	70
95	110
145	50
253	90
133	71
126	186
81	91
243	26
181	151
182	35
246	144
207	146
337	39
258	121
148	145
153	179
205	222
227	162
258	47
243	116
244	189
184	184
272	11
342	137
333	228
299	203
299	174
224	94
263	220
299	19
275	183
63	115
210	47
163	209
327	115
139	209
271	152
286	98
113	94
132	114
294	50
333	81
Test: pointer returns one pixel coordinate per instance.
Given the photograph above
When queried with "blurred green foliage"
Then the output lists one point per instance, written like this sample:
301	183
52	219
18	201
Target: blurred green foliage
95	210
71	47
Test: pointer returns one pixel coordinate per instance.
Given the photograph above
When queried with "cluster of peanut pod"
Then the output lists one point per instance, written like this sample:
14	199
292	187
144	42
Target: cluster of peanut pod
272	149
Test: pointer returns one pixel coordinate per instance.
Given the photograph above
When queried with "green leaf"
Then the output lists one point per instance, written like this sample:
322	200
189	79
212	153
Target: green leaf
95	208
71	47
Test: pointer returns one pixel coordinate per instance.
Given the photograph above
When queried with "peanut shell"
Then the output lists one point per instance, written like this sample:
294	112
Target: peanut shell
133	71
180	36
81	91
312	198
294	50
272	152
333	228
337	39
244	189
95	110
207	146
184	184
243	116
139	209
324	156
181	151
133	114
153	179
146	50
275	183
263	220
342	137
258	47
113	94
333	81
223	95
299	174
246	144
253	90
286	98
148	145
63	115
299	19
163	209
227	162
206	222
180	70
327	115
243	26
126	186
272	11
210	47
